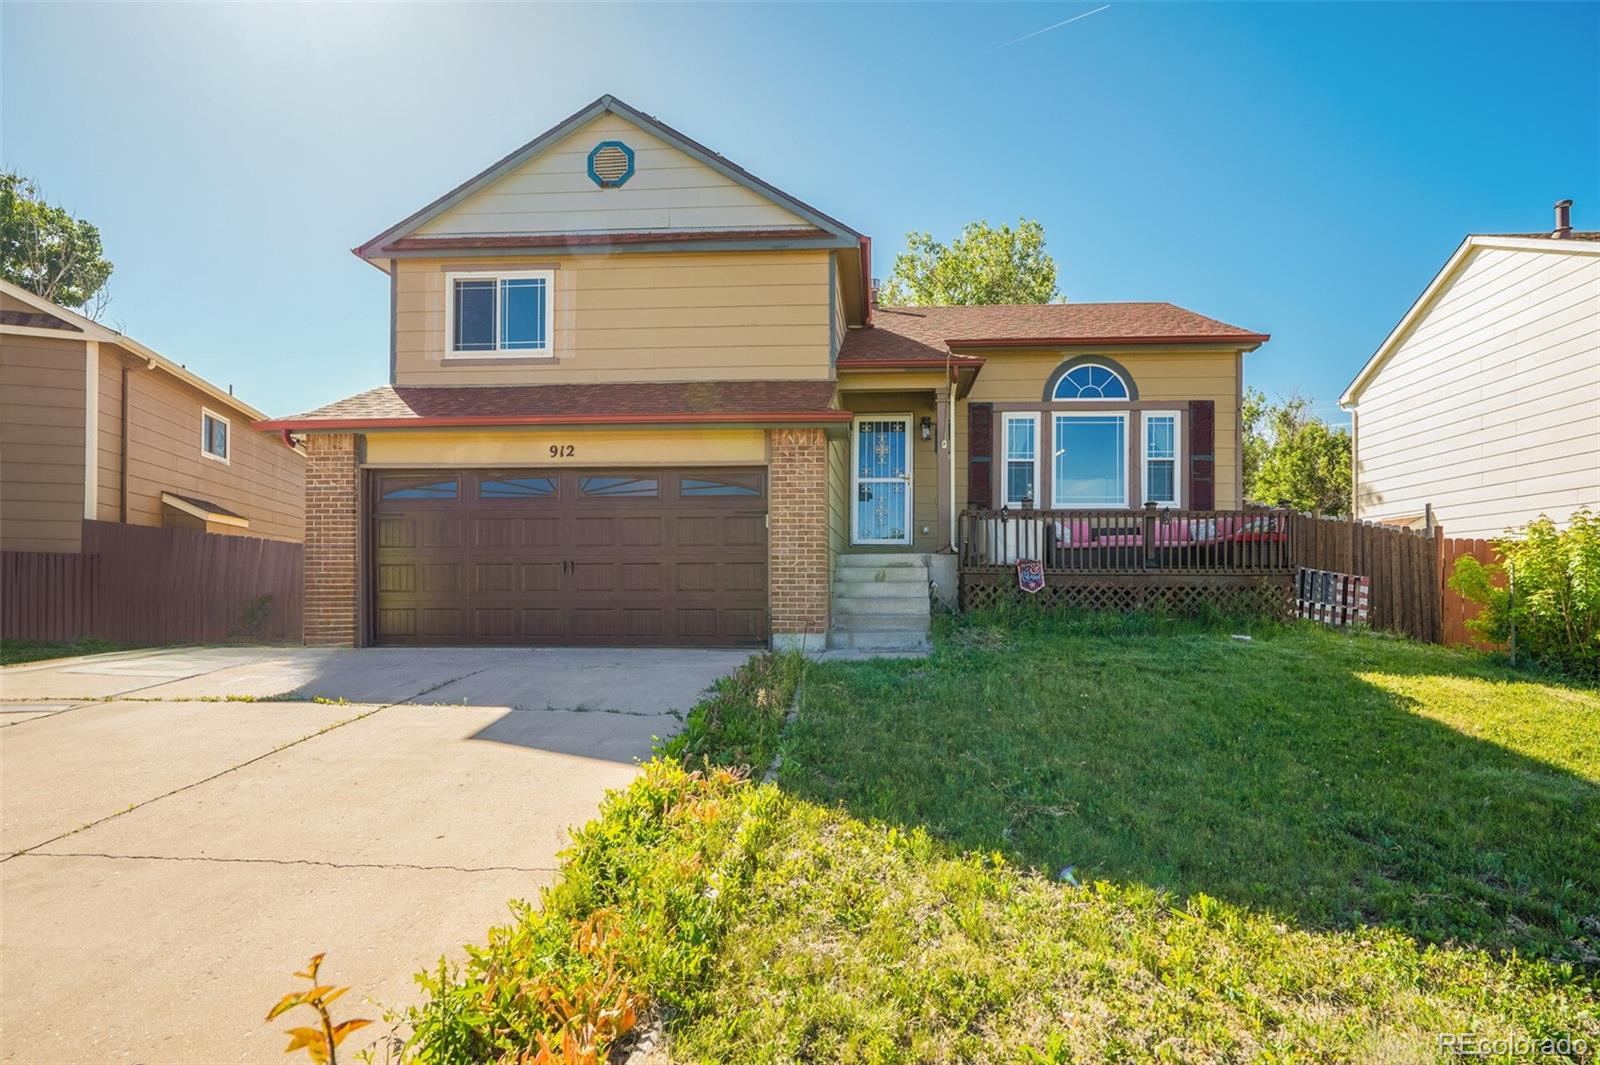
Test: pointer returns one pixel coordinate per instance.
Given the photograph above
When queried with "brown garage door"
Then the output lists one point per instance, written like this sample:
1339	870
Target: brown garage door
645	557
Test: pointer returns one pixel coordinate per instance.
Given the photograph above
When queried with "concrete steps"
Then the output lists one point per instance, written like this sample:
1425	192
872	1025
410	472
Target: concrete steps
880	603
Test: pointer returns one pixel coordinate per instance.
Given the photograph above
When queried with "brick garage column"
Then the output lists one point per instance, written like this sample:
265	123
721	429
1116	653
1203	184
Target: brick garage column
797	537
333	522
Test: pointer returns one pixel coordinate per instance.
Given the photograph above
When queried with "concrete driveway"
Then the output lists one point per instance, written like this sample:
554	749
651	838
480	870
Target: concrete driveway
180	830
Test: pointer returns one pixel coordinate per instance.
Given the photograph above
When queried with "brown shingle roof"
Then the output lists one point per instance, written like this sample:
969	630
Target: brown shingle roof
932	332
666	402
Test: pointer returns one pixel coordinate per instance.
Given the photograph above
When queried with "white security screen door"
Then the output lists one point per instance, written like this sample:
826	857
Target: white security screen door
881	480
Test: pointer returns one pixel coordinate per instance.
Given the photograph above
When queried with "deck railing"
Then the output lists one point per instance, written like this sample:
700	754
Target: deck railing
1129	542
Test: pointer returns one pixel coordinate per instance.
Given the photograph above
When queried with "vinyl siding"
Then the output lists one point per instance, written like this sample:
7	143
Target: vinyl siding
838	499
263	481
1489	408
553	193
681	316
42	394
1162	377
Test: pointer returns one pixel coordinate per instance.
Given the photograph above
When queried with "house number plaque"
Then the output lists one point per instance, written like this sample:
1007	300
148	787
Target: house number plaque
562	451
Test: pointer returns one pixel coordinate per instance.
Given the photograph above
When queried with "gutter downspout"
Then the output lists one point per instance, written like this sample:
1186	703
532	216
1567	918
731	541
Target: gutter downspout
950	440
122	458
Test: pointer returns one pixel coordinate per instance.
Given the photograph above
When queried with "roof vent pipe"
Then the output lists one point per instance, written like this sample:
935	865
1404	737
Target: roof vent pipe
872	292
1563	230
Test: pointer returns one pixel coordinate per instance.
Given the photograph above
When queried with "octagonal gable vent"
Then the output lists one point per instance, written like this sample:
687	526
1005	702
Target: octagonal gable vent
610	164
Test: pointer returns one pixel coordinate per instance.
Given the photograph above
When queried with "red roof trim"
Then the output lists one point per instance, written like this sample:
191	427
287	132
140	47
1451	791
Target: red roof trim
1046	342
932	362
501	420
579	240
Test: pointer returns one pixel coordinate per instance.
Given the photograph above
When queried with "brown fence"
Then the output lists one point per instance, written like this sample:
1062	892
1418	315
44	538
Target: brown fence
1459	611
1403	565
137	584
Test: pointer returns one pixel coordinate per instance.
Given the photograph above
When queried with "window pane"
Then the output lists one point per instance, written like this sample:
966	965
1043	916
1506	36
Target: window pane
1090	382
705	486
1160	482
517	488
1161	437
1019	483
1091	461
216	437
522	307
434	490
474	312
619	486
1019	438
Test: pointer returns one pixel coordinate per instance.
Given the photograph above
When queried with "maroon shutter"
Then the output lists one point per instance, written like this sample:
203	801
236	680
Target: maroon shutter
980	455
1202	454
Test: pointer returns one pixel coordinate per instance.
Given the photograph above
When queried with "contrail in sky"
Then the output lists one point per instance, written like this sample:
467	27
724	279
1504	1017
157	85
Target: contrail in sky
1047	29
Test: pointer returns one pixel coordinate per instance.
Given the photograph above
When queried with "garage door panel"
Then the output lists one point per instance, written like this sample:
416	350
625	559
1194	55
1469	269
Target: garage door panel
658	557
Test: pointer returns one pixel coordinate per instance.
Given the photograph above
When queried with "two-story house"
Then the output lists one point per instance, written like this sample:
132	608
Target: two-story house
640	396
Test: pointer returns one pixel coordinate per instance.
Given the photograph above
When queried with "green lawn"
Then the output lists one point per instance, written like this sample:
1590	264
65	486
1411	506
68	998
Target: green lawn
1334	781
1304	847
14	651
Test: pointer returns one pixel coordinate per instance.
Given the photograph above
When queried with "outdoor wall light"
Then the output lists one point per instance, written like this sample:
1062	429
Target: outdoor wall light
926	425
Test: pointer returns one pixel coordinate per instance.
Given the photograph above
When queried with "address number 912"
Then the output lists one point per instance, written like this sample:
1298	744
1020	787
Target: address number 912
562	451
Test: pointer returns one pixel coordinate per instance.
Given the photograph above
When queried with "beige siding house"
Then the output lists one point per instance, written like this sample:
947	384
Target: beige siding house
1484	402
95	426
640	396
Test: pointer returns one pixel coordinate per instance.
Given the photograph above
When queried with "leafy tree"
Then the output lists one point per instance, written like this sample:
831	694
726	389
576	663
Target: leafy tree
1554	608
46	250
984	264
1292	457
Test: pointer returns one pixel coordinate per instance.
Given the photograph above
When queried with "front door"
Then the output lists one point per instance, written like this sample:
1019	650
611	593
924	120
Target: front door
881	480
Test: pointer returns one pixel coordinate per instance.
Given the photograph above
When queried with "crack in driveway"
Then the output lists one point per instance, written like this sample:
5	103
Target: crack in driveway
247	762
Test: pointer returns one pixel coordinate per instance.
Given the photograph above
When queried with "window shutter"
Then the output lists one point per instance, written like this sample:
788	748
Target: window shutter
1202	454
980	455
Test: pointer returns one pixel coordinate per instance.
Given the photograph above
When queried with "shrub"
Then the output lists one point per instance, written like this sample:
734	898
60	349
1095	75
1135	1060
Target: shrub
740	723
1548	588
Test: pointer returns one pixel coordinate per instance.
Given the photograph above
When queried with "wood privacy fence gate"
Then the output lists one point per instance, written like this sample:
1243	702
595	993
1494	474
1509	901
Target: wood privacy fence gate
1240	559
139	584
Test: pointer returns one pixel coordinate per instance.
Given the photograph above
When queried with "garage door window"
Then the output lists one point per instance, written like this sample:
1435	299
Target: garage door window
419	490
634	487
719	486
518	488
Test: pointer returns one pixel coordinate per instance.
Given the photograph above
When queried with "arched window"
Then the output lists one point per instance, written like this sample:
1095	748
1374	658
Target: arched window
1090	381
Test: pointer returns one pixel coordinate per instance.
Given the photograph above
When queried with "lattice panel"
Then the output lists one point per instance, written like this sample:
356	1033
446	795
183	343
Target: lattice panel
1273	597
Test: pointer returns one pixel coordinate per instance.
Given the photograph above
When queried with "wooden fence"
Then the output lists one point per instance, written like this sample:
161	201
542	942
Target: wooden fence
145	585
1459	611
1408	570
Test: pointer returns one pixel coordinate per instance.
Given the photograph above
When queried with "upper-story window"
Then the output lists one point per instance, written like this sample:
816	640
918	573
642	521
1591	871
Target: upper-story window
1091	381
213	436
500	314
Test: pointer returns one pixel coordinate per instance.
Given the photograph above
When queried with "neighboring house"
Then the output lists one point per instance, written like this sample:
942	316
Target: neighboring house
186	455
1484	402
638	395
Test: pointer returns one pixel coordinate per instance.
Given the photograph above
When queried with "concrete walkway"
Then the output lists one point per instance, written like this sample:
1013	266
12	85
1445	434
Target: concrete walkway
180	830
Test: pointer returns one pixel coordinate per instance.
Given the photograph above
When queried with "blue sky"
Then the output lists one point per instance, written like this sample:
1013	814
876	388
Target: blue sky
1299	169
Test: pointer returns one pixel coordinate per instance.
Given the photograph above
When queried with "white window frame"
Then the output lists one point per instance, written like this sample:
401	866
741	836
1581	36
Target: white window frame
226	458
1005	458
1178	458
497	276
1059	416
1127	388
855	479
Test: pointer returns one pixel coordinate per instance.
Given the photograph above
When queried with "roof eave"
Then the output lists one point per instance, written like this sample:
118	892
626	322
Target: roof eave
507	421
1240	341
